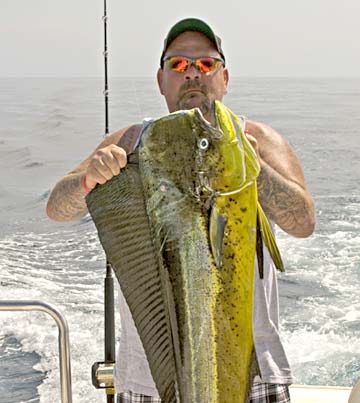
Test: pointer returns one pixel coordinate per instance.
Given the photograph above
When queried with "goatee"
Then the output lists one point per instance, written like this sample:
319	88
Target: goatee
186	98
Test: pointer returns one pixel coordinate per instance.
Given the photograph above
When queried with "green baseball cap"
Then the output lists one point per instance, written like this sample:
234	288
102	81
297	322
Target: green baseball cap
191	24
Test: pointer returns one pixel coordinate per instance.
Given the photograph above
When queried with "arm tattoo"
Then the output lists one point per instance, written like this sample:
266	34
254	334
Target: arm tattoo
69	195
282	200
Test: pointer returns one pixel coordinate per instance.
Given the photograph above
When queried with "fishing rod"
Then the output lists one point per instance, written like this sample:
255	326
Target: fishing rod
106	87
103	372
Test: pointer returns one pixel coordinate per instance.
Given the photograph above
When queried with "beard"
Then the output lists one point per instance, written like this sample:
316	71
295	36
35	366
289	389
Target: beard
198	98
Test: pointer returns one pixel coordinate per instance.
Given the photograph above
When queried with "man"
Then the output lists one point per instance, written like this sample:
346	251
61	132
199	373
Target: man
192	74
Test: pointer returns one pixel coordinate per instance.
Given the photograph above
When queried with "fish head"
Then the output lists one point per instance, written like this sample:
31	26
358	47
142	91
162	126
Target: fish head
170	144
226	163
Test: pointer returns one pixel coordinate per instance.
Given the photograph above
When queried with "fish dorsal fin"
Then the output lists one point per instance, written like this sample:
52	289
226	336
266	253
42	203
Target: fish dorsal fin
269	239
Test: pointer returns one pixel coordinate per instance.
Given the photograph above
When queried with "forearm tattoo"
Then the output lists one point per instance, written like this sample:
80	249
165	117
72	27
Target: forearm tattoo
70	203
283	201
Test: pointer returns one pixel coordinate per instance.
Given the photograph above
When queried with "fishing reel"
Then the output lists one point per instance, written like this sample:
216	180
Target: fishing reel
102	375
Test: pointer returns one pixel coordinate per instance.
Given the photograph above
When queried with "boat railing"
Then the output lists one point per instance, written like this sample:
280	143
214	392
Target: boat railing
64	345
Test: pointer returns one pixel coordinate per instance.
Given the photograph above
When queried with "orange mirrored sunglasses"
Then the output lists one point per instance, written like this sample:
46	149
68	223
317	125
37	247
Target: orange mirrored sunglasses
183	63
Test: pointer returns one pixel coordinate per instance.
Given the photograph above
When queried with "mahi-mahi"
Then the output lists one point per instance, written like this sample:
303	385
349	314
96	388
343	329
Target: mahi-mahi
181	225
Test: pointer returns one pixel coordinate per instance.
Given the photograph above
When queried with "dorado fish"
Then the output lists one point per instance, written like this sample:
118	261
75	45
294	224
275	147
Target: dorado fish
180	226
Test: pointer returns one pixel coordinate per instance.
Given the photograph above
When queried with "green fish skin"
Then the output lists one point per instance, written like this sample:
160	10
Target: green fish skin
178	226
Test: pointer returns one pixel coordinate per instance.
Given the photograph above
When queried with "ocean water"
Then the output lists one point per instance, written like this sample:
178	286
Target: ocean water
47	126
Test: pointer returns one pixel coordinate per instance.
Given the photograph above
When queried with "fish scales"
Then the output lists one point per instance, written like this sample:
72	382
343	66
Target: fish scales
193	193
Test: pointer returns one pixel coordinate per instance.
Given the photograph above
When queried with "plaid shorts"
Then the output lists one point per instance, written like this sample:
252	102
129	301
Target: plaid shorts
269	393
260	393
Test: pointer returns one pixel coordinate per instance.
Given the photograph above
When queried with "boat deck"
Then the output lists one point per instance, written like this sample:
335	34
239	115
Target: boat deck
319	394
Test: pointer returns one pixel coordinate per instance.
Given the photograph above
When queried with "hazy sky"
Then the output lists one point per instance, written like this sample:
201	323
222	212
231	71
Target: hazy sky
260	37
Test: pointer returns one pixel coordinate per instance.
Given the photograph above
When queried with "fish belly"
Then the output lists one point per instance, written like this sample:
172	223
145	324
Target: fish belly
236	201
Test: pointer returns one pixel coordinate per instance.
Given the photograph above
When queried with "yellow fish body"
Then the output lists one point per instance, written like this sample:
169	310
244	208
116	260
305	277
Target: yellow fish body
236	200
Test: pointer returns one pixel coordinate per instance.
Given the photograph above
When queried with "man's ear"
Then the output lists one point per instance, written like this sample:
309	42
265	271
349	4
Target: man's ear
159	76
226	77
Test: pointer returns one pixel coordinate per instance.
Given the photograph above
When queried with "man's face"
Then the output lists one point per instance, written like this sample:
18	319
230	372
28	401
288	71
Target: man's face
192	88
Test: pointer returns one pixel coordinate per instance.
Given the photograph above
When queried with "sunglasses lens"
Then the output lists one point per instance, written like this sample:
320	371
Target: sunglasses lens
207	64
178	63
203	64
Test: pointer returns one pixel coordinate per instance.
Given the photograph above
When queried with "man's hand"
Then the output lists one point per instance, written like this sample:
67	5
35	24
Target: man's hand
104	164
66	201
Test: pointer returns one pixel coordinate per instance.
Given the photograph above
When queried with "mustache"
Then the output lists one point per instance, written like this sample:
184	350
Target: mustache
192	85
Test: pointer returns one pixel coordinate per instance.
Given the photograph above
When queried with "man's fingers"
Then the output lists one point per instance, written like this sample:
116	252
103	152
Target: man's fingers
113	157
99	169
253	142
93	177
251	139
120	155
110	164
106	163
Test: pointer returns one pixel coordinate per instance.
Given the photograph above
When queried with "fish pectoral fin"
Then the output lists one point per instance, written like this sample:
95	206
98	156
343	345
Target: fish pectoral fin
217	226
269	239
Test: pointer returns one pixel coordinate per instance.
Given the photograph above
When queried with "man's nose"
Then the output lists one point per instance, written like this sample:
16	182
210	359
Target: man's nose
192	73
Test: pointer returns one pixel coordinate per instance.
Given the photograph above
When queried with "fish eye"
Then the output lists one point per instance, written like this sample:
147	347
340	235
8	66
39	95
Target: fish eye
203	144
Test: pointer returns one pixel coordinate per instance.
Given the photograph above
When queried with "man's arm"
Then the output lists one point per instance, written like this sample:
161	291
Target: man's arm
66	201
281	184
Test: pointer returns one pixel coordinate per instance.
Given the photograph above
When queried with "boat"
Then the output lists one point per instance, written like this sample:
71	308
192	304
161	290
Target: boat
322	394
103	379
